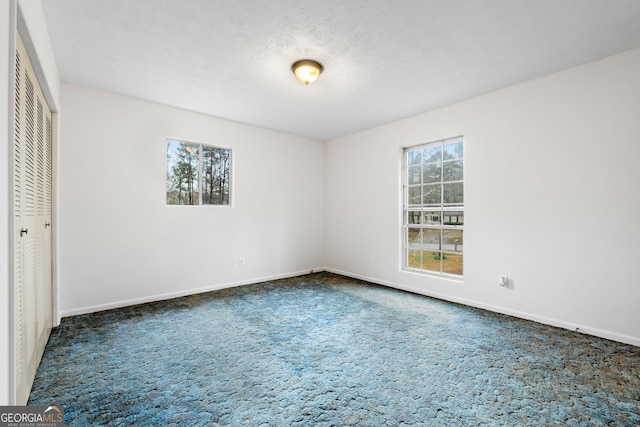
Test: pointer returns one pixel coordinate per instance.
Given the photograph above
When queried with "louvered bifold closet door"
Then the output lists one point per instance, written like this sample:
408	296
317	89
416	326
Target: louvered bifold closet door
43	226
32	218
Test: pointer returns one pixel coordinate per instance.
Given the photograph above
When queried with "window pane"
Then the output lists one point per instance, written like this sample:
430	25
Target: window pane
453	150
453	218
452	263
452	240
431	239
431	194
453	170
453	193
432	154
183	160
413	259
432	217
414	237
414	157
414	217
431	261
415	195
215	179
414	175
431	172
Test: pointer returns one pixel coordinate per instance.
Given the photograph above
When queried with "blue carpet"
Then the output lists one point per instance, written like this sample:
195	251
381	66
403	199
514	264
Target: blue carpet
325	350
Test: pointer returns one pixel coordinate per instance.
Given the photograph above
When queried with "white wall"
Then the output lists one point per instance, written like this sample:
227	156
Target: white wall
35	35
552	199
120	243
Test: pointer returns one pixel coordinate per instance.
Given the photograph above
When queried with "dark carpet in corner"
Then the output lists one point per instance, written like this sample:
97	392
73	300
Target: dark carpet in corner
325	350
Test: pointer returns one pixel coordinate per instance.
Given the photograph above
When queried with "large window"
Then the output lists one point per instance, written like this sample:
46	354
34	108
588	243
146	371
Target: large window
433	207
197	174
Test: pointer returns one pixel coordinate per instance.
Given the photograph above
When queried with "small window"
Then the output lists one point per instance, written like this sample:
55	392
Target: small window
433	207
197	174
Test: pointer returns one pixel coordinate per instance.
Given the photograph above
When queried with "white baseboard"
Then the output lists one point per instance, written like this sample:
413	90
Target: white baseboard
171	295
502	310
497	309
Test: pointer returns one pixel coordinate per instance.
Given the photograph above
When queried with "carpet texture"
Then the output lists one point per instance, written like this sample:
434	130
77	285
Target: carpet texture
325	350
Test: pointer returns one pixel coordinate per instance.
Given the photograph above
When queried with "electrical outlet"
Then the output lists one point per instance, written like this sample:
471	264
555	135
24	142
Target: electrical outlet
241	263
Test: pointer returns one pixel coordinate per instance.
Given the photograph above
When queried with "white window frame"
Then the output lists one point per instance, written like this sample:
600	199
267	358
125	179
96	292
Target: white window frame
427	240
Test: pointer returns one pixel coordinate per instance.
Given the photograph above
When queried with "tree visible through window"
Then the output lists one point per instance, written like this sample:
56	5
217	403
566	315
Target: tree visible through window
197	174
433	207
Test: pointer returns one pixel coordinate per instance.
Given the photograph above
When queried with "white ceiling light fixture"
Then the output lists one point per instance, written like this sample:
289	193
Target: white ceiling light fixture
307	70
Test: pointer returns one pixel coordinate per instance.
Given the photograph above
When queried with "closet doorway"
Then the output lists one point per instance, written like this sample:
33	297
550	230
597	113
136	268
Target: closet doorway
32	210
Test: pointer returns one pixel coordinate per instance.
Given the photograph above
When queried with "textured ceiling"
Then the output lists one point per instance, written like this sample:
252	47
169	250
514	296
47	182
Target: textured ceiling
384	60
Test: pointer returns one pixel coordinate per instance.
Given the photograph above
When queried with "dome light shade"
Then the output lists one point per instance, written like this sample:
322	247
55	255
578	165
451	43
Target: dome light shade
306	70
